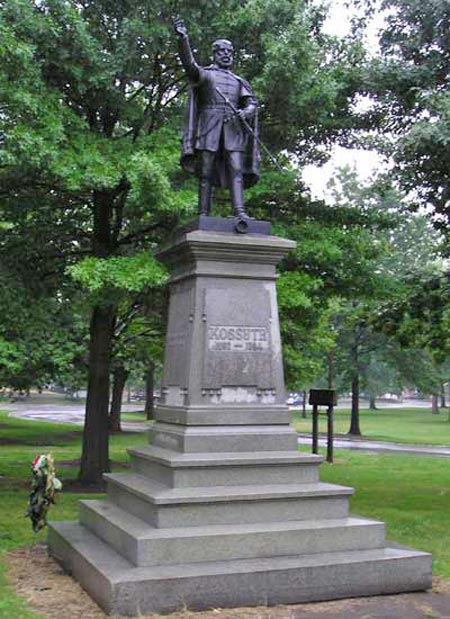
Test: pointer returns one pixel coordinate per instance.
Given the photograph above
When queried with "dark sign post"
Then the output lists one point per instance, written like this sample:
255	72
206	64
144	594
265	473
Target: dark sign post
322	397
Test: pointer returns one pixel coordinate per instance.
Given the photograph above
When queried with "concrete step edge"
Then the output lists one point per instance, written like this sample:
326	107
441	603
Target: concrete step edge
197	460
139	529
158	494
279	430
113	565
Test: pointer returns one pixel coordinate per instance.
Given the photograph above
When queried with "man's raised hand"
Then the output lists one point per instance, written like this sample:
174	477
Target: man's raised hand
179	27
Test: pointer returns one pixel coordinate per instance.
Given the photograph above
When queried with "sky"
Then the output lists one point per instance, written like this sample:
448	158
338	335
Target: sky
364	162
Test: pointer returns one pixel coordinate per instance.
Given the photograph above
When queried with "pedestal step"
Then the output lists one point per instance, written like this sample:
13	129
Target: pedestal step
179	507
145	546
223	438
220	415
224	469
121	588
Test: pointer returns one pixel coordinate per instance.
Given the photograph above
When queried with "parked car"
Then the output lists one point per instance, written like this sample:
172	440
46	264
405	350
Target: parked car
294	399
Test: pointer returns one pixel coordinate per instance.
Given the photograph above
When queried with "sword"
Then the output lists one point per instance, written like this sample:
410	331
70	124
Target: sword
250	130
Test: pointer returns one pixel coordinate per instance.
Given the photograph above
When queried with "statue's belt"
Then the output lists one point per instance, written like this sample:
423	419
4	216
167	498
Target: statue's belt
215	106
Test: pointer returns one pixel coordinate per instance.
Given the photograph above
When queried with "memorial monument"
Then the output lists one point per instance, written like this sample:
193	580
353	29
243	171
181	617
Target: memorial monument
220	141
221	509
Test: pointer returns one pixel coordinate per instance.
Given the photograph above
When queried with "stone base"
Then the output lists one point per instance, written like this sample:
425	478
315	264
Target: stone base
223	529
121	588
228	224
221	509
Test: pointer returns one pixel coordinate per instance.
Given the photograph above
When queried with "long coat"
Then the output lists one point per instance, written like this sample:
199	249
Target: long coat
211	125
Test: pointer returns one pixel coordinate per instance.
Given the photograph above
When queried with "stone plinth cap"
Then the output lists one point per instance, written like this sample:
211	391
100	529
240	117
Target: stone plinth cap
224	246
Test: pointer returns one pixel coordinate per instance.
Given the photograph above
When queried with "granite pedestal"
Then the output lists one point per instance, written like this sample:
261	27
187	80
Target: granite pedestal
221	509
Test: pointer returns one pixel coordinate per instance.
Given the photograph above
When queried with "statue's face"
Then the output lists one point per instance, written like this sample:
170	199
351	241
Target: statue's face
223	55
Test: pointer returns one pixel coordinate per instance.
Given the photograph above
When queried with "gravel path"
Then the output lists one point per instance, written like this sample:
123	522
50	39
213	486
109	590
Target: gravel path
48	590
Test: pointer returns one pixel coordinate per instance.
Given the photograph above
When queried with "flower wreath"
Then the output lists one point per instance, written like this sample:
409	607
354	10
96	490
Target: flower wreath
43	488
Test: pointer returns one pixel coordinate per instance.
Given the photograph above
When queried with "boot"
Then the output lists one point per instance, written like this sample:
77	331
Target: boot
240	213
204	196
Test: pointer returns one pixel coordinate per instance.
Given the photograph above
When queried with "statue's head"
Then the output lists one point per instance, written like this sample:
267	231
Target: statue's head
223	53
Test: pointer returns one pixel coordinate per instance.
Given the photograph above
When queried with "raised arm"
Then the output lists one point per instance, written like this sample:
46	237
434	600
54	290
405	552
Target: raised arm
185	51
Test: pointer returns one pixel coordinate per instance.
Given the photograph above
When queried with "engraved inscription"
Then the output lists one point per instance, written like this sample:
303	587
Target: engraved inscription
238	338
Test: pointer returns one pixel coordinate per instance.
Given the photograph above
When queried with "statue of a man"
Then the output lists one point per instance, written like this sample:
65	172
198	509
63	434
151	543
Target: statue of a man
219	142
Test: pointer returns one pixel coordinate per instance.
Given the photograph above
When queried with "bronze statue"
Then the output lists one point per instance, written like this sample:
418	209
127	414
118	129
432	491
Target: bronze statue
219	143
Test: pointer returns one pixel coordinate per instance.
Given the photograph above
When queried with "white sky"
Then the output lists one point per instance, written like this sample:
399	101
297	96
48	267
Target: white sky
364	162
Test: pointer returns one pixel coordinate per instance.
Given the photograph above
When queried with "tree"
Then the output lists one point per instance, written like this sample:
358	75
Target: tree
90	92
405	251
334	258
408	86
137	346
42	338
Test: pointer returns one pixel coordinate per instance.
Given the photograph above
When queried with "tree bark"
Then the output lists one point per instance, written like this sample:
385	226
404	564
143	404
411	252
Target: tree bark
95	454
149	389
330	368
442	396
303	404
435	404
120	375
354	417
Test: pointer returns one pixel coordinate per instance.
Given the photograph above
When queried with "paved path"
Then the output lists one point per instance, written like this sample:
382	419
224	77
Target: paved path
379	447
59	410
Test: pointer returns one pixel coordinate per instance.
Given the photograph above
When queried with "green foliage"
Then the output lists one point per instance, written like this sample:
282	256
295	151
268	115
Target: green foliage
11	358
304	327
42	339
382	326
408	84
131	274
91	99
337	255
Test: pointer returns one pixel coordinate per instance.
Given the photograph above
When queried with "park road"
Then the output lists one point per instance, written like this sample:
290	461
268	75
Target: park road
58	409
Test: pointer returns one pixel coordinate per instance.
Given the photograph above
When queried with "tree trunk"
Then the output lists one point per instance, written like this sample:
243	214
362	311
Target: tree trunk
435	404
330	367
149	389
372	404
303	404
120	375
95	455
354	418
442	396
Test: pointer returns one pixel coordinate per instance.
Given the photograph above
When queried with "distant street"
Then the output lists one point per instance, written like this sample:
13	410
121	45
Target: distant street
55	407
367	446
364	404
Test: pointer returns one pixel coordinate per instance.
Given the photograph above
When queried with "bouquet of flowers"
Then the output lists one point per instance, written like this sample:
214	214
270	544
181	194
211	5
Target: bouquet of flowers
43	488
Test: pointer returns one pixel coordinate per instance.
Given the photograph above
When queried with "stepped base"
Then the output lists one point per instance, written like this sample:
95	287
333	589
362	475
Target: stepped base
121	588
144	545
221	510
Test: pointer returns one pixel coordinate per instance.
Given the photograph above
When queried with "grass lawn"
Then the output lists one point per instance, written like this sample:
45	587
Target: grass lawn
134	416
411	494
20	442
398	425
